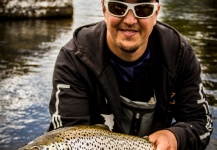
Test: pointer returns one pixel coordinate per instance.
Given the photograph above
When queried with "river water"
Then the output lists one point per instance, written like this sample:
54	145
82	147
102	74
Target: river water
28	50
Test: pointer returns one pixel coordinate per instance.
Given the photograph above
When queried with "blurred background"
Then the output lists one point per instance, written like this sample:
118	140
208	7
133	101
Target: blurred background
29	47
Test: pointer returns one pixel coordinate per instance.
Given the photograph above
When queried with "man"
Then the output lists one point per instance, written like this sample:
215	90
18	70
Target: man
134	74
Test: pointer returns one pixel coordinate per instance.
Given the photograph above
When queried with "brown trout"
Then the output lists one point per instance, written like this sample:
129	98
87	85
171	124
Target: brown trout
84	137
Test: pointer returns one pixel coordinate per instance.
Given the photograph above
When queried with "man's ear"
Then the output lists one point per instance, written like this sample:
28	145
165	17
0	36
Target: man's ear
158	10
156	14
103	7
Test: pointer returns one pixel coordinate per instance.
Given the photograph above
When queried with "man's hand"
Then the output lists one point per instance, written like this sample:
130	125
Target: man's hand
164	140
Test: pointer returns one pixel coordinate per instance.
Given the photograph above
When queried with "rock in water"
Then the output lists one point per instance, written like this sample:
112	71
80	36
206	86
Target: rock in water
35	8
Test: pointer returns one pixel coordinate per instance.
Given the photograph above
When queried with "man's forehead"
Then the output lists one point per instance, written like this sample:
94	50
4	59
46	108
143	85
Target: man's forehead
137	1
146	1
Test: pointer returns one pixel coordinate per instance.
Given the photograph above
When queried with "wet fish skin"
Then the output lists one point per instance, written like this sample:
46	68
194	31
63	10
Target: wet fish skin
88	137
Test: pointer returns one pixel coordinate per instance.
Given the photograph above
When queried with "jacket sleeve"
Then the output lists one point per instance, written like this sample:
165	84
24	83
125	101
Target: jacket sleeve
69	103
193	123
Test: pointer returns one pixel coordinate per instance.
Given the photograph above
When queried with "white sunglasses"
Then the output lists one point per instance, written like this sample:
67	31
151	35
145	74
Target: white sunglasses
140	10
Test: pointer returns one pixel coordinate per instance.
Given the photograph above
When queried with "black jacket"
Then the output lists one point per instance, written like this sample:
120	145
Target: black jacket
85	86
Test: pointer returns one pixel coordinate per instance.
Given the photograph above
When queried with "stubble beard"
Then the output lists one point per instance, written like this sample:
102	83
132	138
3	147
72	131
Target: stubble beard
128	49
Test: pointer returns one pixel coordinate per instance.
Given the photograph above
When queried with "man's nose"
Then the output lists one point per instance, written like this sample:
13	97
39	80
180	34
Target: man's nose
130	18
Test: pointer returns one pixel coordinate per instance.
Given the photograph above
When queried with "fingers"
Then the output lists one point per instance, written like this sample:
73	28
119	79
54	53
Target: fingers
164	140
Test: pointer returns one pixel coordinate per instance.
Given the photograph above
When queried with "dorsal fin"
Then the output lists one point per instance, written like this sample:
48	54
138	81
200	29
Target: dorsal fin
103	126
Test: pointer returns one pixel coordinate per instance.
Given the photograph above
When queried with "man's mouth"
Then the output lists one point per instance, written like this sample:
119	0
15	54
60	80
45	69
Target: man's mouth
129	32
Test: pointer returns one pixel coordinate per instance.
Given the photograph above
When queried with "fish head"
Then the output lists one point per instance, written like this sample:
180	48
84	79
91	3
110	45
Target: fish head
27	147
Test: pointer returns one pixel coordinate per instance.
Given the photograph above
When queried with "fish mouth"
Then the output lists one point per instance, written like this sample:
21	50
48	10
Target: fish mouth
35	148
30	148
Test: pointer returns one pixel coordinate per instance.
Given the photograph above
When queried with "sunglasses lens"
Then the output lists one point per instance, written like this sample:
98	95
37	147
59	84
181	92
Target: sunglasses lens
117	8
144	10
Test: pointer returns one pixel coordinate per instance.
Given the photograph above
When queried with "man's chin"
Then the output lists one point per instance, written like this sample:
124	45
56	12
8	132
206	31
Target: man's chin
126	47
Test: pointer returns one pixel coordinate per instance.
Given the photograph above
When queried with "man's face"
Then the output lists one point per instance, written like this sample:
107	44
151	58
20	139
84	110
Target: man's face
128	33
